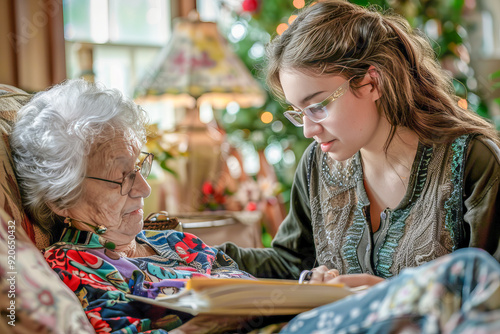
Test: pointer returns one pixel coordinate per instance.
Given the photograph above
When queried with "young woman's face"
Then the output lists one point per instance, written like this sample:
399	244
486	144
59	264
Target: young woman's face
353	122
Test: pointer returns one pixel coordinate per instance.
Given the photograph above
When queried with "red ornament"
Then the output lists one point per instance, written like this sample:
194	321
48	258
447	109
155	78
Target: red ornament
251	206
250	5
219	198
207	188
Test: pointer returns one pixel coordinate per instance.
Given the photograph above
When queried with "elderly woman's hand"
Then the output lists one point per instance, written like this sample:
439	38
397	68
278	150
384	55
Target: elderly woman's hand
322	274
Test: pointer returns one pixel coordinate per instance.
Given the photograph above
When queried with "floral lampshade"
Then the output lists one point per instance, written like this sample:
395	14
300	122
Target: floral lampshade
198	65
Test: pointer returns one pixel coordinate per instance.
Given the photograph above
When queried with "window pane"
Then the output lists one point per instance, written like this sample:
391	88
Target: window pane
139	22
121	66
76	19
143	58
112	66
86	20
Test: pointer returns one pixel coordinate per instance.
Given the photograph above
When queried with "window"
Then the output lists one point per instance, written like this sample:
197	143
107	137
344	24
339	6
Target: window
124	37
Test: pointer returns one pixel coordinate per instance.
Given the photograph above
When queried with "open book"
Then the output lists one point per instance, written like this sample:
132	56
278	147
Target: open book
248	297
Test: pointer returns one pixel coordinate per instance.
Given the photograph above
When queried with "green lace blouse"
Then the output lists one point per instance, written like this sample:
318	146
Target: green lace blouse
452	201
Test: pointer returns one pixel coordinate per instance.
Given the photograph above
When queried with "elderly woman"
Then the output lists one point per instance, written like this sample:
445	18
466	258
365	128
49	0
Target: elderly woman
77	152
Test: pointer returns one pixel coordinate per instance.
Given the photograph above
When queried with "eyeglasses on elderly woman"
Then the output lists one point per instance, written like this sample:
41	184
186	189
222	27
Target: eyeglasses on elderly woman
144	167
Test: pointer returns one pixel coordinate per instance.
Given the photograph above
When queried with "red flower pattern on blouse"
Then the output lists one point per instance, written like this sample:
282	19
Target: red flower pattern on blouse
73	277
97	322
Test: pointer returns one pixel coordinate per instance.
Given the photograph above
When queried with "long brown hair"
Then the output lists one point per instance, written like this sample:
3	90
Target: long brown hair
337	37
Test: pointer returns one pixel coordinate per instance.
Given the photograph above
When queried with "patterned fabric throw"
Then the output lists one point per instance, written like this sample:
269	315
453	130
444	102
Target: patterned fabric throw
100	278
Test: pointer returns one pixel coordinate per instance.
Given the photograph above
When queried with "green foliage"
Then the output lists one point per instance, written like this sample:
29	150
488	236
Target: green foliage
271	13
496	85
495	75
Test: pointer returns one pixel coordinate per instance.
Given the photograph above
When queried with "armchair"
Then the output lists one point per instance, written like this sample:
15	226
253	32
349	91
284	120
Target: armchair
32	296
42	302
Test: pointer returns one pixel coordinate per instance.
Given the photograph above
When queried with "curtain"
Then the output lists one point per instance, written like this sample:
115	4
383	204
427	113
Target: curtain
32	53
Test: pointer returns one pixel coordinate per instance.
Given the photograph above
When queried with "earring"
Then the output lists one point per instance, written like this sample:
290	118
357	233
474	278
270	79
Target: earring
99	229
67	221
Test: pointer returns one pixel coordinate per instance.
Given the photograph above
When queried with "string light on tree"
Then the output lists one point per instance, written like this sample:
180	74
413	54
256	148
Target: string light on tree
462	103
299	4
281	28
291	19
266	117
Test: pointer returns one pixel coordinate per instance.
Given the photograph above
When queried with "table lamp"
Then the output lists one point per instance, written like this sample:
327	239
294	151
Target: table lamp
197	67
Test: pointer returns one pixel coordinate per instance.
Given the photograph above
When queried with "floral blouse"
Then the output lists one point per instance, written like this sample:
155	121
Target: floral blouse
100	278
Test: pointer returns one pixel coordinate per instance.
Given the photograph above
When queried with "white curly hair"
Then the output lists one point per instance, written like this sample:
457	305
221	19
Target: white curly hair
53	135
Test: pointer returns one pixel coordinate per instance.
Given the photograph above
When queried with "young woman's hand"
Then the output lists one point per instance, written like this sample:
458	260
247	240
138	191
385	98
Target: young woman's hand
355	280
322	274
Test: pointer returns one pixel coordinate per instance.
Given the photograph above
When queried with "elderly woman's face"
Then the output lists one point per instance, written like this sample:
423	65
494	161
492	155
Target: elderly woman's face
101	202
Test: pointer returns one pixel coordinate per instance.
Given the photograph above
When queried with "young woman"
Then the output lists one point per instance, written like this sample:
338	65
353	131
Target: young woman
398	174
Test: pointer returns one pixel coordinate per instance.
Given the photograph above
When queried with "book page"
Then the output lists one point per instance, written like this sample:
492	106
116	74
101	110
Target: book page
249	297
